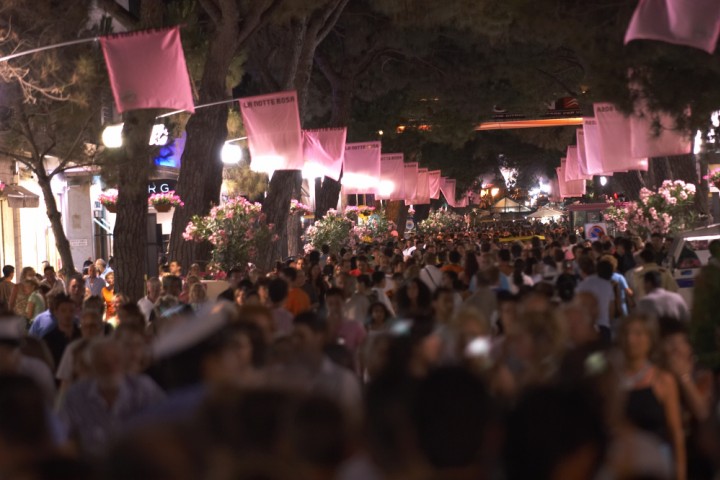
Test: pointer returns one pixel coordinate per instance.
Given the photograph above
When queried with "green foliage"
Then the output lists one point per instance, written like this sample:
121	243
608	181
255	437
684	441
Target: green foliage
334	229
441	222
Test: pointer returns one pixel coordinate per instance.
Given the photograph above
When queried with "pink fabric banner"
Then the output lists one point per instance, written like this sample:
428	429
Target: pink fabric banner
693	23
434	183
392	177
362	168
422	192
147	70
614	135
272	124
447	187
582	156
573	170
410	183
648	141
323	152
573	188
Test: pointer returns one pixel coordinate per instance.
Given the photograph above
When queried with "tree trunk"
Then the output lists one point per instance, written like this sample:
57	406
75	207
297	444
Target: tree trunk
61	242
327	194
396	211
277	208
130	230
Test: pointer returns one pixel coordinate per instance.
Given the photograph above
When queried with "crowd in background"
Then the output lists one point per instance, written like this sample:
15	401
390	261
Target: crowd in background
465	355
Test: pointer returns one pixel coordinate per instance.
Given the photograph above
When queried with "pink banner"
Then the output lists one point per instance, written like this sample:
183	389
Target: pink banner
272	124
573	170
614	135
447	187
592	149
650	140
573	188
147	70
422	192
392	177
410	182
323	152
434	183
693	23
362	168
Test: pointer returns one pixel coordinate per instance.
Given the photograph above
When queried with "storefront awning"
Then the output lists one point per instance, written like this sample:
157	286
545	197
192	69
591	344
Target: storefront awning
20	197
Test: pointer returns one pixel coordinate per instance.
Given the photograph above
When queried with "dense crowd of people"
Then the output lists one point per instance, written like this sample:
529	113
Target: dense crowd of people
465	355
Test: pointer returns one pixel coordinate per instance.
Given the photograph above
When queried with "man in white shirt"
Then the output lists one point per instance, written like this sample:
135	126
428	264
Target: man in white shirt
147	303
660	302
430	274
599	285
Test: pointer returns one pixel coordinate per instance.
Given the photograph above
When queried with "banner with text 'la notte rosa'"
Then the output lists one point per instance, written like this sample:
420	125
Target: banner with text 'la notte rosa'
147	69
361	172
323	151
272	124
392	177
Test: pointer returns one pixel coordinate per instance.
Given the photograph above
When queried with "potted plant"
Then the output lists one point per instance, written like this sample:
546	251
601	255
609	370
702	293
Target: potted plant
163	202
109	201
714	178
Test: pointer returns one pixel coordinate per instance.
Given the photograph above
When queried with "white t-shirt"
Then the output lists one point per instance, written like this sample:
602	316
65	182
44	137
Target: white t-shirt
431	276
604	293
146	307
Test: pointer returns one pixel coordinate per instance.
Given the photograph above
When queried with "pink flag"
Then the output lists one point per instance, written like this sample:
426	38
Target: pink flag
324	150
392	177
434	183
362	168
573	170
411	179
649	141
614	136
272	123
422	192
573	188
582	157
592	148
147	70
693	23
447	186
560	179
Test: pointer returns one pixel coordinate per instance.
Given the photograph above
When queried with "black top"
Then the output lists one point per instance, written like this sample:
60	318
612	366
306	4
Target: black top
645	411
57	342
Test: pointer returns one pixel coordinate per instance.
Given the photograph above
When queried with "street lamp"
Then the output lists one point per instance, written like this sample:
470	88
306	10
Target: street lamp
231	154
603	181
112	135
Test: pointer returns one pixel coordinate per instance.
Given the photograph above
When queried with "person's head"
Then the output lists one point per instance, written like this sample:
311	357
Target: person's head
348	284
76	289
172	285
100	265
133	342
379	279
195	270
49	273
30	285
652	280
237	348
555	432
334	302
656	239
63	309
415	349
309	334
586	265
234	276
8	271
197	293
605	269
379	315
129	313
91	324
175	268
714	248
647	256
579	324
92	271
278	291
110	280
638	337
105	358
362	263
443	304
364	283
153	288
290	275
260	316
674	340
27	272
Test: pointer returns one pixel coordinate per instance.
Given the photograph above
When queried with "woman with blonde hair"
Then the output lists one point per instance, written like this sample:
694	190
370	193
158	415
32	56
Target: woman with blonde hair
653	401
19	296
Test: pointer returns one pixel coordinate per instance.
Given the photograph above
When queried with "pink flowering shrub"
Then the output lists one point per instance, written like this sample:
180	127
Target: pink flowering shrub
334	229
301	208
668	210
236	231
167	198
442	222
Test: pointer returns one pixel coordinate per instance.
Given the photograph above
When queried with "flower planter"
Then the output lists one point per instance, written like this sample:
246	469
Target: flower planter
717	185
111	207
163	208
